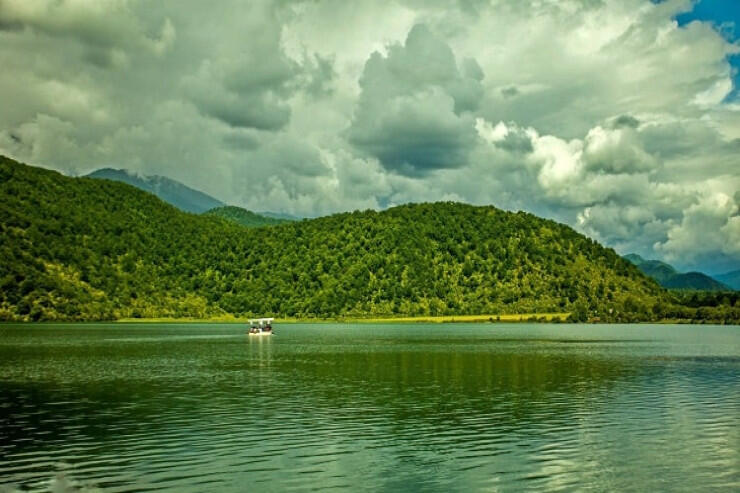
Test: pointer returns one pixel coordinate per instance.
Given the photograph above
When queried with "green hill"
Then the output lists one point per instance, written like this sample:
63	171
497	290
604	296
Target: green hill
695	280
85	249
244	217
668	277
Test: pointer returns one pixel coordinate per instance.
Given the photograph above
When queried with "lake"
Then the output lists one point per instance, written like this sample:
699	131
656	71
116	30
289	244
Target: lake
476	407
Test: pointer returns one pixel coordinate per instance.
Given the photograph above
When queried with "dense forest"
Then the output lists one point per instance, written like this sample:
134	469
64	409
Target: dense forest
244	217
86	249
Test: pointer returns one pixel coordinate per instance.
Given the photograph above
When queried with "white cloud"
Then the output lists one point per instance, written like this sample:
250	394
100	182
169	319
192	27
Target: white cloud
605	115
708	227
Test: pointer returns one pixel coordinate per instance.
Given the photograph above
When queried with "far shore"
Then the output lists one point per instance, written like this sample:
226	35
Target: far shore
551	318
518	317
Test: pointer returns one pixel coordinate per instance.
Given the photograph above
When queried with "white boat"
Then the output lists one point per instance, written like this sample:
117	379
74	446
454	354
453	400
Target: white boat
260	327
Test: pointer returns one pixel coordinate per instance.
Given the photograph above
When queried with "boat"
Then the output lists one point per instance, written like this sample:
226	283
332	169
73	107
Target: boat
260	327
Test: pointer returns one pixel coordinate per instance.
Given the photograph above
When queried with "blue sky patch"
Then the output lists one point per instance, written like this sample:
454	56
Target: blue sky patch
724	15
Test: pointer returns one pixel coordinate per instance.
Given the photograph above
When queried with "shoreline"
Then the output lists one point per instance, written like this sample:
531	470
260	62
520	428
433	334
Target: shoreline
510	318
487	318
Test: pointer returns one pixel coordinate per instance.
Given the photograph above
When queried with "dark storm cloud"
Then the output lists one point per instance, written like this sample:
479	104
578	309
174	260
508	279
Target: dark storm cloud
417	134
411	113
626	121
510	92
246	112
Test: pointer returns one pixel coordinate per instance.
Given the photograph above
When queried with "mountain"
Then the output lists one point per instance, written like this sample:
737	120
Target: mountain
280	215
695	280
731	279
668	277
634	258
244	216
660	271
171	191
89	249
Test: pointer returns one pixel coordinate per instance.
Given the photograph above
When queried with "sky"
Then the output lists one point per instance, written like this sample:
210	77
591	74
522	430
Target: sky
621	119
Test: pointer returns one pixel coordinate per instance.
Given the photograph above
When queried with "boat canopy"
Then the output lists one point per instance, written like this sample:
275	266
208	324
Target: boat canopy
261	321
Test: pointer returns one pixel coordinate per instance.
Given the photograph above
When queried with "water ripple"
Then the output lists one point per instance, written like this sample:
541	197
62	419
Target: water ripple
417	409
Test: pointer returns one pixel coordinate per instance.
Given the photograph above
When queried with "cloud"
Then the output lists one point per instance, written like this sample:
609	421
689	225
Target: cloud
583	62
608	116
576	171
617	150
509	137
615	185
100	25
412	112
415	134
709	228
628	121
239	97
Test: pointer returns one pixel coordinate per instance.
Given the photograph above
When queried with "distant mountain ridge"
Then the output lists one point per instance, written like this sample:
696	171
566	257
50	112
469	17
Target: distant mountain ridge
668	277
171	191
731	279
280	215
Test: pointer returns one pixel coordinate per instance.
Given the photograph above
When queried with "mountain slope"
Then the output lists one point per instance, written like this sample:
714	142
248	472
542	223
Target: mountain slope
731	279
668	277
280	215
634	258
171	191
244	217
85	249
694	280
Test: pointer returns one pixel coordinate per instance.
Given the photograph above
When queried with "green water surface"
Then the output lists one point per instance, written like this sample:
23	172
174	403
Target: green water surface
467	407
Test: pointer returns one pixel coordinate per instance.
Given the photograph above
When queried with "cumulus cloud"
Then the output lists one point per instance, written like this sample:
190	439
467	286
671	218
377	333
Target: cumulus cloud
617	150
616	185
240	97
104	26
413	109
709	228
605	115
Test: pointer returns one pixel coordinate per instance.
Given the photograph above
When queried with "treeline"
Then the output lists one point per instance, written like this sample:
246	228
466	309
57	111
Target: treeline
702	306
244	217
85	249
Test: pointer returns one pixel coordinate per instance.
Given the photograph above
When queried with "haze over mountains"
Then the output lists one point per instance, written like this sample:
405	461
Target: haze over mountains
731	279
167	189
188	199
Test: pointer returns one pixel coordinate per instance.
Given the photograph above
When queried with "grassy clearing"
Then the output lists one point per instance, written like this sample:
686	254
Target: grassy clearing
519	317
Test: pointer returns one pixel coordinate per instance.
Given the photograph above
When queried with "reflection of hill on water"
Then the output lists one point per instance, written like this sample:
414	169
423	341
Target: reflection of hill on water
427	383
438	385
448	412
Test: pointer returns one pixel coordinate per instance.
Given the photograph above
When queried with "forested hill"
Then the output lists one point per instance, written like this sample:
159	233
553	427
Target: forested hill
244	217
85	249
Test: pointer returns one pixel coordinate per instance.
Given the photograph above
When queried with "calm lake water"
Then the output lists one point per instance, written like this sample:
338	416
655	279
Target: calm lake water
471	407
